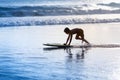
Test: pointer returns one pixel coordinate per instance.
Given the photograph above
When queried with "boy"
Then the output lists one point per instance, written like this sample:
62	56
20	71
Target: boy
79	35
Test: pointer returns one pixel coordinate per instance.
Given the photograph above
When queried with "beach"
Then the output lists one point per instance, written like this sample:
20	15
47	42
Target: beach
26	25
24	57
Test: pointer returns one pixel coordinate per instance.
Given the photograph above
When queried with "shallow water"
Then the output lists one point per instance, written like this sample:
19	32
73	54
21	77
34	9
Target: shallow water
23	57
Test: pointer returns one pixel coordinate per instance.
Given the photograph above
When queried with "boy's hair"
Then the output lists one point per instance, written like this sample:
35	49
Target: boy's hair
66	30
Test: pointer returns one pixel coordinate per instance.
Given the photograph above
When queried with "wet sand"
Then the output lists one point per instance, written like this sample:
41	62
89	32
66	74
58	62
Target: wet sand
22	54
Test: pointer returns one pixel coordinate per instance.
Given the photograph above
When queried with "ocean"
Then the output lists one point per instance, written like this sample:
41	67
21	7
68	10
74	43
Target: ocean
26	25
57	12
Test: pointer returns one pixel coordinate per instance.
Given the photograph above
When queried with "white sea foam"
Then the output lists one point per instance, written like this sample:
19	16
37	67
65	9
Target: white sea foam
56	20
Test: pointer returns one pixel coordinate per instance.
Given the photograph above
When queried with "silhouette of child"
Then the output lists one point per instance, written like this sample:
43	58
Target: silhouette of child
79	35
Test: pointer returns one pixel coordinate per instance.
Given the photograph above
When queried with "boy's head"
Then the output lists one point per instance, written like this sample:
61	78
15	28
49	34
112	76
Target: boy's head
67	30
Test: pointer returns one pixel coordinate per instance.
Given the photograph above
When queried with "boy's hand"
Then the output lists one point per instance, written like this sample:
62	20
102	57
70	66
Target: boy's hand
64	44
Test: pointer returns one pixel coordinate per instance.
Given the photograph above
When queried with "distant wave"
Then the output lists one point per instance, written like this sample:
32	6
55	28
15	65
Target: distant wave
59	10
58	20
113	4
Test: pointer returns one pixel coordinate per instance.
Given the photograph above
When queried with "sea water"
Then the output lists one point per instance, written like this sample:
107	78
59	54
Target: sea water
26	25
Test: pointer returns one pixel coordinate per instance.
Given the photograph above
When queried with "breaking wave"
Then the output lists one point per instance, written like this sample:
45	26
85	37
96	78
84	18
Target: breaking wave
44	10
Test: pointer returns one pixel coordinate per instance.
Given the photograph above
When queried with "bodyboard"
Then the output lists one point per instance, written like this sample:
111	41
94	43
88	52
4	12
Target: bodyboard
58	45
83	46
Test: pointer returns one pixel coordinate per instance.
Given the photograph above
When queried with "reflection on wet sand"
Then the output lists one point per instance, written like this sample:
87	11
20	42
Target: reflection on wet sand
74	63
80	54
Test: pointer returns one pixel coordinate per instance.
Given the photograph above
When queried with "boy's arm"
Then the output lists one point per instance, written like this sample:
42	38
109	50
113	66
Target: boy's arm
70	39
67	39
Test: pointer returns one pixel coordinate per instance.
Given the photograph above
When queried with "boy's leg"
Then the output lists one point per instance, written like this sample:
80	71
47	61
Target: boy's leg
78	37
